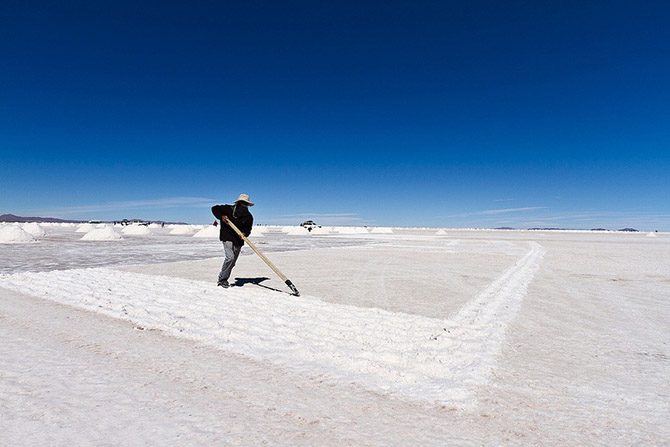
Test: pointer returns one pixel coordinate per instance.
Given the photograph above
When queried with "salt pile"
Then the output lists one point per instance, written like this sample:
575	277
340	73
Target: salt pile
441	232
181	230
34	229
102	234
136	230
12	234
382	230
84	228
208	231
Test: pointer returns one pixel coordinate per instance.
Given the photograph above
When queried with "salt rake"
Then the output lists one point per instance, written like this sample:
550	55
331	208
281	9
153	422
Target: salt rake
263	257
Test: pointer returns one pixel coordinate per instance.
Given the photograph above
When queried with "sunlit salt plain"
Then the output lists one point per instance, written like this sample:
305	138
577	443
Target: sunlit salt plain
399	337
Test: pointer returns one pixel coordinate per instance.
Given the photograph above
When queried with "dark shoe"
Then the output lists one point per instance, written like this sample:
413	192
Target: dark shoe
223	284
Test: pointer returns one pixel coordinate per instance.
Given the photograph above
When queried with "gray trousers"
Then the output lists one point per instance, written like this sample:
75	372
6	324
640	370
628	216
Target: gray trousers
231	253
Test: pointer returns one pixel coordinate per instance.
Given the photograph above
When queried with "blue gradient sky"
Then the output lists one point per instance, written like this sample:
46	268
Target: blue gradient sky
438	113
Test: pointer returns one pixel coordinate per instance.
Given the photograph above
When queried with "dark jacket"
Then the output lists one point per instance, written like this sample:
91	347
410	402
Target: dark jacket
240	216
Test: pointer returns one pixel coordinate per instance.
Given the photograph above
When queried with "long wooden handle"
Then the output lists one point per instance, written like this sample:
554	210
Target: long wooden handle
263	257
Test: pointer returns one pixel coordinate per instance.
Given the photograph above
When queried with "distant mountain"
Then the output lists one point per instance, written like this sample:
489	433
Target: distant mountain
14	218
629	230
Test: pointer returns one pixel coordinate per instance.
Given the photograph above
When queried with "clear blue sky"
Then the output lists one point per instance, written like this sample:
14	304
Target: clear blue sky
385	113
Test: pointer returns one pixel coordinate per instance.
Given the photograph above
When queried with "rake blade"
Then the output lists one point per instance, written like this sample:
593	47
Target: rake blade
292	287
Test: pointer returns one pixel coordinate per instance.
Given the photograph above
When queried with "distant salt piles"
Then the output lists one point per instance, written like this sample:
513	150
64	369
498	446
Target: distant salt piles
13	234
651	234
102	234
136	230
441	232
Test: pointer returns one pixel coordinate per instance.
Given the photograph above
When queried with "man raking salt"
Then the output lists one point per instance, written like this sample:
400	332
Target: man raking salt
236	224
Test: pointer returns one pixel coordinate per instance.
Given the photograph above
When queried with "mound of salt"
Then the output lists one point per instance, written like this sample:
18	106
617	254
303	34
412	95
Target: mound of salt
181	230
12	234
102	234
441	232
208	231
136	230
84	228
34	229
651	234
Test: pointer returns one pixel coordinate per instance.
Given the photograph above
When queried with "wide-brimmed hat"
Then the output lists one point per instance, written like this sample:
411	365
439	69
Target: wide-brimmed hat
245	198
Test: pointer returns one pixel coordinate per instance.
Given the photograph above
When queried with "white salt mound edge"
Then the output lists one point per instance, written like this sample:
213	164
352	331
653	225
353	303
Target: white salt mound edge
441	233
181	230
136	230
651	234
84	228
34	229
102	234
208	231
11	234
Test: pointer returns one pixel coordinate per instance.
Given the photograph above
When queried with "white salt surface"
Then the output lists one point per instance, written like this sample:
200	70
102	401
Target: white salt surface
496	339
106	233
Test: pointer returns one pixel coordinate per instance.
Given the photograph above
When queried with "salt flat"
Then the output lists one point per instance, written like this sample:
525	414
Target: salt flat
462	338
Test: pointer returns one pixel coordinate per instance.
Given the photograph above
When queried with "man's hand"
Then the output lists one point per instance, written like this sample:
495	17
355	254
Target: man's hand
224	219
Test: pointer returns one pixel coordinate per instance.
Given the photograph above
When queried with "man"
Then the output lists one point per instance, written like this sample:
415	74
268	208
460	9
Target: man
239	215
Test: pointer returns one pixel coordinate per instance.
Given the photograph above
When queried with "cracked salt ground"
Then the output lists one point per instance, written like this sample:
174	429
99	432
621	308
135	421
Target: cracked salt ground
558	343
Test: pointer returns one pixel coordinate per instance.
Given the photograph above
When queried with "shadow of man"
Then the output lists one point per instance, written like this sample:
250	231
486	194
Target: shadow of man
239	282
